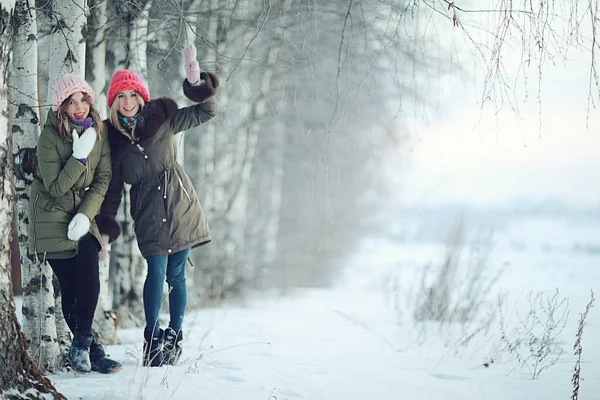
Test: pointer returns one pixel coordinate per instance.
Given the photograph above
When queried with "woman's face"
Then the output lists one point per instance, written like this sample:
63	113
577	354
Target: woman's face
78	106
128	103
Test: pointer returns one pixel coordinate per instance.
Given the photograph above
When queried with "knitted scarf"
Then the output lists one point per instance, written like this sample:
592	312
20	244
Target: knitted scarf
128	123
84	123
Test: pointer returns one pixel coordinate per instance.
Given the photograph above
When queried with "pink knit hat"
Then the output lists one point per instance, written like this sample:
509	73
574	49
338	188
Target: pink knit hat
125	79
68	84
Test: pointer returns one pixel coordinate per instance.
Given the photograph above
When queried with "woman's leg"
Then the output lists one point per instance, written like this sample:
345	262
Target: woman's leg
64	269
87	283
177	288
153	290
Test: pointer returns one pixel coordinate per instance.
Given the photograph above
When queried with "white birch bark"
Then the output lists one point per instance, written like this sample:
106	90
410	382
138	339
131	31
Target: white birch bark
95	60
138	42
17	372
67	47
39	323
127	267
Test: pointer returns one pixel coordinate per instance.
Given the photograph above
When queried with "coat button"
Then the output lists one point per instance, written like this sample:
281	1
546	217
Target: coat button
146	157
159	188
164	220
169	251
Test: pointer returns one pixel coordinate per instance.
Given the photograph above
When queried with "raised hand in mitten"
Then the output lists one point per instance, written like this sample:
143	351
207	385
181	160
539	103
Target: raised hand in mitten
82	146
192	68
78	227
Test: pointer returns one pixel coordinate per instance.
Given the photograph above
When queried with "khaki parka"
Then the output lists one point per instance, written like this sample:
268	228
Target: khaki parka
62	187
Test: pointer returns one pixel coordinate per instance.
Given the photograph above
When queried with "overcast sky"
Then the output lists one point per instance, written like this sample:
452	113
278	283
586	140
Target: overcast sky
465	154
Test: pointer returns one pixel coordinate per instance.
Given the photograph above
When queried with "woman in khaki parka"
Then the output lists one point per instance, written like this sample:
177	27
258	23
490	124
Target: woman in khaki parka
168	218
71	178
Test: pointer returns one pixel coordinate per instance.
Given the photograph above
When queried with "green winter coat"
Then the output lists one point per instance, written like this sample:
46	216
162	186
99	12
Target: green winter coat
62	187
166	211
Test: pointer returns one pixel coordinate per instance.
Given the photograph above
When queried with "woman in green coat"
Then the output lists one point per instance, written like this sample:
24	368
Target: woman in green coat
168	218
71	178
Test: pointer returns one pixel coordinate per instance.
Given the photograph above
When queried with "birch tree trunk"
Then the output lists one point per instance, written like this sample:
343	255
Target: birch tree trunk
95	60
39	323
138	42
67	54
127	267
67	46
18	373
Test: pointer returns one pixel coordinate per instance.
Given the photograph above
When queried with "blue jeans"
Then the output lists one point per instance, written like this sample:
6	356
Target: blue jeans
171	268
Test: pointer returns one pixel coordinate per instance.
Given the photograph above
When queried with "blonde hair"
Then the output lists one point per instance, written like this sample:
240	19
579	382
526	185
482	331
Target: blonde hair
62	119
114	116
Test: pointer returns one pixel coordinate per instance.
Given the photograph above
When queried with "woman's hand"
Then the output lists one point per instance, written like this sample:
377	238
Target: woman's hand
192	68
82	146
79	226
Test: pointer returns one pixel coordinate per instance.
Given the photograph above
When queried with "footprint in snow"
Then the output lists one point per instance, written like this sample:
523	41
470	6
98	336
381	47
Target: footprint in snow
448	377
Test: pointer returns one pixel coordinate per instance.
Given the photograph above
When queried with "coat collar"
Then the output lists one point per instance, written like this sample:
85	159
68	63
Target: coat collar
153	115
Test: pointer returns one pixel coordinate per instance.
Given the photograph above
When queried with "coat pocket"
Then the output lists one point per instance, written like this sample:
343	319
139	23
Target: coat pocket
139	197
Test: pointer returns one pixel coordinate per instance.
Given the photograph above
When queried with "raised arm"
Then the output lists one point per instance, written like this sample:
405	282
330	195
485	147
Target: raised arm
199	87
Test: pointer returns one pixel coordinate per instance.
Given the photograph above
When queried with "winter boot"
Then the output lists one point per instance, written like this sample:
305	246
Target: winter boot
79	353
100	362
173	345
153	349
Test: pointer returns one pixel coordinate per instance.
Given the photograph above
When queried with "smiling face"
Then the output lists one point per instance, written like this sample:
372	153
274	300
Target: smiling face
129	104
77	106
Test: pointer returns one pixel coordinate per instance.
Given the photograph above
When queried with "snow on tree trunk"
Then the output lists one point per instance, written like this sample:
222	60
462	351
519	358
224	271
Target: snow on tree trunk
18	373
39	324
95	60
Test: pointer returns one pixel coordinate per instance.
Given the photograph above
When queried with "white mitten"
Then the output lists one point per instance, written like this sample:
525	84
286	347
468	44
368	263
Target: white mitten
82	146
192	68
78	227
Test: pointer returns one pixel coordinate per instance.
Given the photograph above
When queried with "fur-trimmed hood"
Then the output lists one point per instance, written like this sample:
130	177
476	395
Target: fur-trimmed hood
153	115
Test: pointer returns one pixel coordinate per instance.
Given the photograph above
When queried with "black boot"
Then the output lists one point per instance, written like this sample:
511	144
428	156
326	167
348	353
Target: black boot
173	345
100	362
79	353
153	349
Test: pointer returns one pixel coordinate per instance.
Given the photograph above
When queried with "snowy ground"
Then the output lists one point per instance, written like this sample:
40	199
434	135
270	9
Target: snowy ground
346	343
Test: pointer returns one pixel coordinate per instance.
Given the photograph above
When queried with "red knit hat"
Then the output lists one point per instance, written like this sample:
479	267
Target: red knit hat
68	84
125	79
